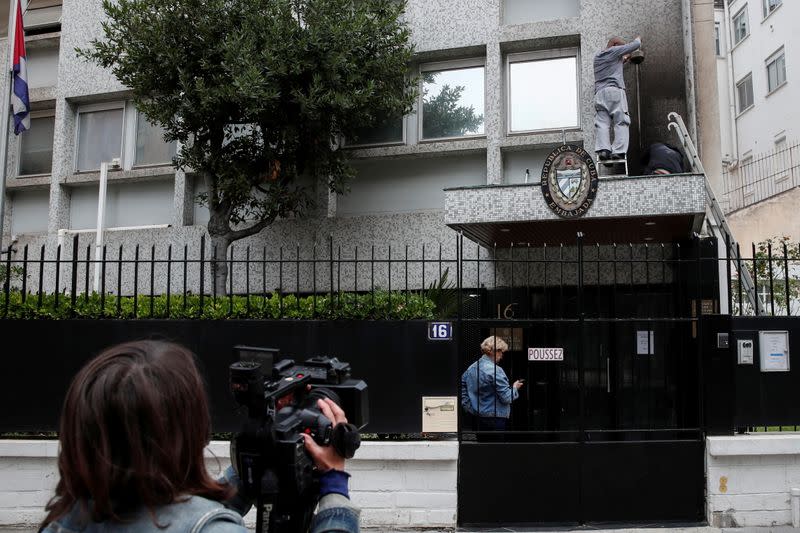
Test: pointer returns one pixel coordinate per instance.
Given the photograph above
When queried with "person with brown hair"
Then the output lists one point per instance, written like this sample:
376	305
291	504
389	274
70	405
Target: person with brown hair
133	431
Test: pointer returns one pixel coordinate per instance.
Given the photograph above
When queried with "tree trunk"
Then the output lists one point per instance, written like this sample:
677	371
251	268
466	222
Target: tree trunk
220	232
219	264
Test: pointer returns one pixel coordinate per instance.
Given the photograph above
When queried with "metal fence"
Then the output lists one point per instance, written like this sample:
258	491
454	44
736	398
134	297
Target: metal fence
615	281
163	281
774	267
762	177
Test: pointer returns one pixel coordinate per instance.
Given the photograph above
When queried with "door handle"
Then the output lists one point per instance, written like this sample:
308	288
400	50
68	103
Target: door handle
608	374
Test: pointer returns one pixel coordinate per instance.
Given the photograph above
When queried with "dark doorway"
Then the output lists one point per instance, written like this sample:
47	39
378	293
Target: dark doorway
592	436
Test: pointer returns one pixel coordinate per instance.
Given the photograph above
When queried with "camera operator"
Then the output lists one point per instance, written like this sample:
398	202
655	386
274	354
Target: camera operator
133	431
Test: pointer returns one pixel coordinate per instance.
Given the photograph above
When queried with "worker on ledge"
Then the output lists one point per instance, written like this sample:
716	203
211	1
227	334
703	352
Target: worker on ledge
610	100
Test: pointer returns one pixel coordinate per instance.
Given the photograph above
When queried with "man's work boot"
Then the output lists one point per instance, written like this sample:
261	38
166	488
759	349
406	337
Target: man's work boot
618	156
603	155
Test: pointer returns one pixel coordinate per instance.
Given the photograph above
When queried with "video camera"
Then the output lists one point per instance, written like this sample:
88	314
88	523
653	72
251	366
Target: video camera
269	453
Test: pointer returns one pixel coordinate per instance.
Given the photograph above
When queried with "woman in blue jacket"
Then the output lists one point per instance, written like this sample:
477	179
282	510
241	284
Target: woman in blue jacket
485	391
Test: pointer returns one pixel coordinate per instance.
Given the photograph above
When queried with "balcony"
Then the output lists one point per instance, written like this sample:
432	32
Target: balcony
627	209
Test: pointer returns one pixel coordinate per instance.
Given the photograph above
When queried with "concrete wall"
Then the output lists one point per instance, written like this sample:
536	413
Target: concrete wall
750	478
396	485
774	217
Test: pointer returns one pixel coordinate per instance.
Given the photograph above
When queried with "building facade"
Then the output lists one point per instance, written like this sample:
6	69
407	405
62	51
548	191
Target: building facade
757	52
512	58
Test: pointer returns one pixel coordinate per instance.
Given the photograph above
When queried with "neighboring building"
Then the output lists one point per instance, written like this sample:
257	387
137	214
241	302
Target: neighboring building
758	52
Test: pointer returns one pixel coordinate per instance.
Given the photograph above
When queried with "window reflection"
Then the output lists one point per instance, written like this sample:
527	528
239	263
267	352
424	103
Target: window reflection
452	103
543	94
385	132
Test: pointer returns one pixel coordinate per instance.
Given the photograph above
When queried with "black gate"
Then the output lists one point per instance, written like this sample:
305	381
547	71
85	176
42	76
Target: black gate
611	433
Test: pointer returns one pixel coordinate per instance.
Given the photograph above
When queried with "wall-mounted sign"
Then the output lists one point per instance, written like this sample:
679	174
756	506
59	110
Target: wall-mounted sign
545	354
645	343
569	181
440	331
744	350
774	351
439	414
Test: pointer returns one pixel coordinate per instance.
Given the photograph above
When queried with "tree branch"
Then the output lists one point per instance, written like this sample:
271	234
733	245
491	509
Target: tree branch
252	230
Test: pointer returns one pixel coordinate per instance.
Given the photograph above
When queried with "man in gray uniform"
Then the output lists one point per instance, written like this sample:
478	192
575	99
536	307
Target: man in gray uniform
610	100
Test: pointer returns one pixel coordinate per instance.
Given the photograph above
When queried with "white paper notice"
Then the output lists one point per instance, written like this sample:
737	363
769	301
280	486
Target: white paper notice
439	414
645	344
774	350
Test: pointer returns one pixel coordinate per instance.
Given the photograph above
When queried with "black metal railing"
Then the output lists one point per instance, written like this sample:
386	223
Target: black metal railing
178	281
774	266
666	281
762	177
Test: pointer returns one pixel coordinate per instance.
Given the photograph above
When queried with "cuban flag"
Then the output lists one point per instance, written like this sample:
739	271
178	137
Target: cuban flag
20	102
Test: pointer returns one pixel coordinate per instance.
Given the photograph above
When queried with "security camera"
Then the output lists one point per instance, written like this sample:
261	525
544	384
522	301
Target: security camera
116	164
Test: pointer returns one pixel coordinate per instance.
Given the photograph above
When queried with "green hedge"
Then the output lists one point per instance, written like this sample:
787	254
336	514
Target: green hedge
380	305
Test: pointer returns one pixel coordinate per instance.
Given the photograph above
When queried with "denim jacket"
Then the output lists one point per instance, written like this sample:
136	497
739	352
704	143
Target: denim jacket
485	390
335	514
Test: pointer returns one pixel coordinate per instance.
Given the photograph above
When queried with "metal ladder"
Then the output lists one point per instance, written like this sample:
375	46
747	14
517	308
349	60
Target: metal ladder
716	214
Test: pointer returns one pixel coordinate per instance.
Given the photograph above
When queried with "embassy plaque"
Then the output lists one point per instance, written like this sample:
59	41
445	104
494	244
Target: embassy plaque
569	181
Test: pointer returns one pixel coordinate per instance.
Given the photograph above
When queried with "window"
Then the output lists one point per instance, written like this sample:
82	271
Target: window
716	38
452	100
117	130
42	16
526	11
99	136
744	92
139	203
770	6
533	105
740	27
150	146
385	132
776	71
36	145
781	159
42	67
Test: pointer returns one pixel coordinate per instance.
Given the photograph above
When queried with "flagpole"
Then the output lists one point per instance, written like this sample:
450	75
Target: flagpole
6	112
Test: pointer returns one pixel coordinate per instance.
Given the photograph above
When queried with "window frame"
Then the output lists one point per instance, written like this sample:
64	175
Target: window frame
766	13
401	142
718	38
740	110
742	11
772	59
543	55
128	138
92	108
780	174
443	66
130	157
43	113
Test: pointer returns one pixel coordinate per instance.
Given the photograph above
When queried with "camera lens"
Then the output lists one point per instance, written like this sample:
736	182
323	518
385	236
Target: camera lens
321	393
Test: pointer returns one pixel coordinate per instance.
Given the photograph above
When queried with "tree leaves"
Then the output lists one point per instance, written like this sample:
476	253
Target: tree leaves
299	73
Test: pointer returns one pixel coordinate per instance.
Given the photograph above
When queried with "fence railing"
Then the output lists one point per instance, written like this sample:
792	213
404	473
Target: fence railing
775	269
762	177
458	278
